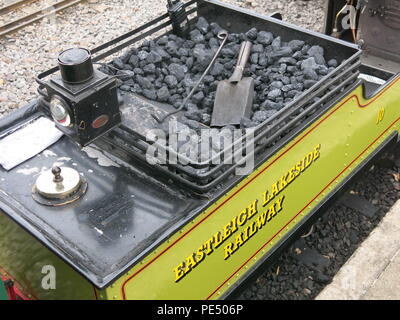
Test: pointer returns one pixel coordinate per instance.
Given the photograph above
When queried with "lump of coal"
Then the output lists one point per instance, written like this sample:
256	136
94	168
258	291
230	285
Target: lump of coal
332	63
171	48
153	57
310	74
247	123
275	93
315	50
265	38
183	52
283	52
215	28
276	43
257	48
144	82
217	69
252	34
164	54
198	97
203	25
277	84
269	104
163	94
125	88
261	116
228	52
177	70
134	61
162	41
203	57
254	58
189	62
142	55
309	64
118	63
318	53
171	81
288	60
296	45
196	36
150	68
150	94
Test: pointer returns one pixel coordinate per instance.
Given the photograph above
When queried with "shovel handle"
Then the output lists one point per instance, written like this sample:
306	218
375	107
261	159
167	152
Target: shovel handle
243	57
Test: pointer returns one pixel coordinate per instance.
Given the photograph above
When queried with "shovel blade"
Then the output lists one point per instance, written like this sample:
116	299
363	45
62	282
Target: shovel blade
232	102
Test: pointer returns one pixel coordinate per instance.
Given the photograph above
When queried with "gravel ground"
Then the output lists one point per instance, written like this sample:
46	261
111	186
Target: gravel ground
34	49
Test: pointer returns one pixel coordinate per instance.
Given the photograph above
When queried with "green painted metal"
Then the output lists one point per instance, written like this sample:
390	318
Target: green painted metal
3	292
24	258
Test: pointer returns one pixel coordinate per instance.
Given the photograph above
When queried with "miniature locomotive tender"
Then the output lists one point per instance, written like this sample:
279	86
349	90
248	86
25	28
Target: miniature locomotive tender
111	225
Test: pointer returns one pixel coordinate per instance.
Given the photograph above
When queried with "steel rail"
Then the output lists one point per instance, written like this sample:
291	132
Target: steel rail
14	5
36	16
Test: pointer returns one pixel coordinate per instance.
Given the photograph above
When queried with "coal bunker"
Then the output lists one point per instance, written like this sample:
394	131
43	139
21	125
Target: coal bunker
165	70
297	76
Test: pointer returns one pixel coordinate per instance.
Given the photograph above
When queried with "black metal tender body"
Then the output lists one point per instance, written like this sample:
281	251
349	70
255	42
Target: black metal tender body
159	208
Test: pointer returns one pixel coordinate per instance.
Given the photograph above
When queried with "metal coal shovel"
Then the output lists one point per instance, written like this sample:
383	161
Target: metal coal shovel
234	97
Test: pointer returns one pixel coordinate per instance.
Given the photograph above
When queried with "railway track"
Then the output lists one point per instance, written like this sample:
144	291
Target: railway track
28	19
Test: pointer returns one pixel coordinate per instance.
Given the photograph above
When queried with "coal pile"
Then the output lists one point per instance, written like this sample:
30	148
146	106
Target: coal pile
166	70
